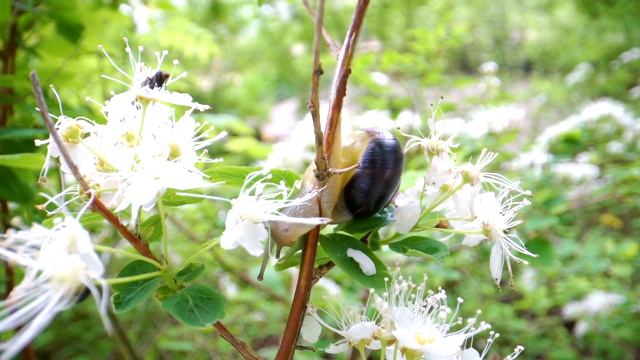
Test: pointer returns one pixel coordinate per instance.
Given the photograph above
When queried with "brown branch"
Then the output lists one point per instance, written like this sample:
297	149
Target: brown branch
339	85
327	38
237	344
301	296
9	62
323	156
8	267
139	244
314	99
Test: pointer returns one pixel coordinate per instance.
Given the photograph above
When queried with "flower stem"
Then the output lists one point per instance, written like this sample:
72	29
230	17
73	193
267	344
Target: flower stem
126	254
363	355
98	155
163	221
135	278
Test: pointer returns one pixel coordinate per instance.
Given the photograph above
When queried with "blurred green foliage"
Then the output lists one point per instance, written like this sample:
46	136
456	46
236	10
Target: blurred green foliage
243	58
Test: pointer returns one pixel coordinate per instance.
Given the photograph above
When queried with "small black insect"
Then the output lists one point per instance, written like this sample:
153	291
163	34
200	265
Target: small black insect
156	80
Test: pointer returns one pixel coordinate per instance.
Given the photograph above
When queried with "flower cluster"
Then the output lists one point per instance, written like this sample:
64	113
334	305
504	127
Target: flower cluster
407	321
478	204
60	268
140	149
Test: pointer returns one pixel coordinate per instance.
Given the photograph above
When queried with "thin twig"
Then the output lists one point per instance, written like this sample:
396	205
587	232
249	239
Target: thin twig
8	266
301	296
314	99
9	54
335	47
305	278
125	346
237	344
339	85
139	244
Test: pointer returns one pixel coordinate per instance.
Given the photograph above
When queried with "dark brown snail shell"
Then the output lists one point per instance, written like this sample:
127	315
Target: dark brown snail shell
377	178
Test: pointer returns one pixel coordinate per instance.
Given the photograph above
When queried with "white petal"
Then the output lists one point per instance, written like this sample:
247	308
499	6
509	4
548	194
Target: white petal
496	262
242	232
311	329
367	265
340	346
470	354
361	331
472	240
407	215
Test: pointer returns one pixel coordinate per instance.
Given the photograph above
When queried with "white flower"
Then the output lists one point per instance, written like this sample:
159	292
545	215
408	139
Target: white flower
491	217
584	311
72	132
407	210
260	202
489	68
421	322
474	175
143	84
59	264
576	171
441	170
355	328
434	144
494	120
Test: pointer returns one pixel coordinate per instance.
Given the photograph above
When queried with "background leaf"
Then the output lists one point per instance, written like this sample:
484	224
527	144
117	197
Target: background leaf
421	246
151	229
235	175
26	161
171	197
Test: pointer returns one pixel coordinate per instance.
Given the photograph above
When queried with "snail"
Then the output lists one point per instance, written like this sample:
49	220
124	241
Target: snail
357	193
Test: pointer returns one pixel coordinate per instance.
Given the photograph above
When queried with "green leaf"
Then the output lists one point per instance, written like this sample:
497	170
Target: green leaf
235	175
26	161
337	245
361	226
171	197
19	140
151	229
190	272
291	257
89	218
127	295
196	306
68	19
374	241
22	134
163	292
420	246
14	188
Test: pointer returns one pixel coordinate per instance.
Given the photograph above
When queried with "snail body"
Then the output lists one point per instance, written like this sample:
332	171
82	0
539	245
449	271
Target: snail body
357	193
